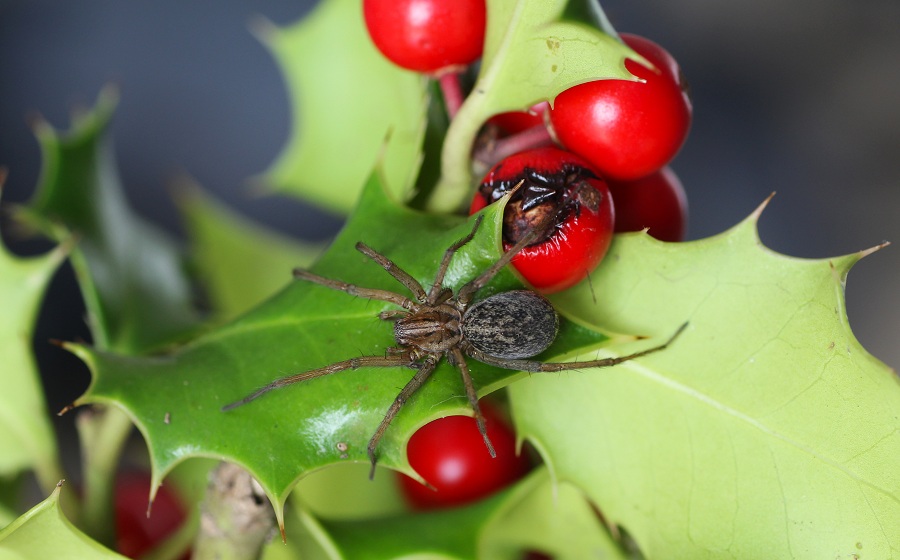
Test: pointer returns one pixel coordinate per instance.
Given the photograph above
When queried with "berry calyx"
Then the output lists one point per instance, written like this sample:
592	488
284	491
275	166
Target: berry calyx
449	453
656	202
627	129
430	36
563	190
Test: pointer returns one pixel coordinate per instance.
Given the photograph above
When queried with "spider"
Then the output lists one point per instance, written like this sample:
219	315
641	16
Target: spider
503	330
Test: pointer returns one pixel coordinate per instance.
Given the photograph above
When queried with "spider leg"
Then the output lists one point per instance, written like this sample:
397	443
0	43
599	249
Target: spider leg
468	291
392	360
437	286
354	290
535	366
459	360
398	273
425	370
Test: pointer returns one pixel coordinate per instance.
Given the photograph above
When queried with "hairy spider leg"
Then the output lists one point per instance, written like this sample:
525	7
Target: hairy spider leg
394	360
535	366
354	290
437	292
398	273
426	368
468	291
458	359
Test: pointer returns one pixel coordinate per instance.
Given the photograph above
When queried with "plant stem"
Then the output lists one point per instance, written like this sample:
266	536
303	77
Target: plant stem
103	431
452	92
453	189
236	518
489	155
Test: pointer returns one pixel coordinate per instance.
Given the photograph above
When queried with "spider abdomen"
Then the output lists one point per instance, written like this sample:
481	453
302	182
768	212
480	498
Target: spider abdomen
513	325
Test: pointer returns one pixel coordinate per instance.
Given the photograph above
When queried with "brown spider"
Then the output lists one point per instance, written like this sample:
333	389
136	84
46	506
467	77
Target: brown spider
502	330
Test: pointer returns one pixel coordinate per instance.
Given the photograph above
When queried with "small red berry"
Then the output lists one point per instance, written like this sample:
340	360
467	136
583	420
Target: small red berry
427	35
449	453
517	121
627	129
136	533
565	189
656	202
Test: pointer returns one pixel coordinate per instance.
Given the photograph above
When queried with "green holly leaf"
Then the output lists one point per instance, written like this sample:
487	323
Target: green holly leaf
766	430
176	399
536	514
352	108
27	440
131	277
533	51
44	532
239	263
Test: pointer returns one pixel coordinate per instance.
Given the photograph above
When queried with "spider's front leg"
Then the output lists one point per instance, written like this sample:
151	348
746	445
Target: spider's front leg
399	359
426	368
354	290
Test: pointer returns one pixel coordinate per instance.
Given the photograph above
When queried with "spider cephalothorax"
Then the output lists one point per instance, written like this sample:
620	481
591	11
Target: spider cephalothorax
503	330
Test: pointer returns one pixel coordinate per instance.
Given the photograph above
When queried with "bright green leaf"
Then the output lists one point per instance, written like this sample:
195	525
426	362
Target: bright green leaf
44	532
352	109
131	277
765	431
240	263
27	440
532	53
290	432
533	515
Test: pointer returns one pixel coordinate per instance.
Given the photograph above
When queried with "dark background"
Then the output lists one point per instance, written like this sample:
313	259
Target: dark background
799	97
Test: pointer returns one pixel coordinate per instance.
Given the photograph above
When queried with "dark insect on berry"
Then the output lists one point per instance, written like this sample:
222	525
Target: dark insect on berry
503	330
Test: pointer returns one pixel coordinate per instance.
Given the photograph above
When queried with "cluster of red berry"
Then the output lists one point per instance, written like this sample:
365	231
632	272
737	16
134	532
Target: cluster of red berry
594	163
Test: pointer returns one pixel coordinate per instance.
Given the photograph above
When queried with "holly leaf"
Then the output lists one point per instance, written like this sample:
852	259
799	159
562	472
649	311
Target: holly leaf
239	263
176	399
765	430
44	532
534	515
352	108
533	51
131	273
27	439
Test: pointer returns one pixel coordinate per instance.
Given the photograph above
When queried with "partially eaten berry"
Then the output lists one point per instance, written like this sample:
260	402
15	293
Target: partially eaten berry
562	194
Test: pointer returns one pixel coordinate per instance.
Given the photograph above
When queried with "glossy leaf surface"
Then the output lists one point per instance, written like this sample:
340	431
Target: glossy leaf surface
766	430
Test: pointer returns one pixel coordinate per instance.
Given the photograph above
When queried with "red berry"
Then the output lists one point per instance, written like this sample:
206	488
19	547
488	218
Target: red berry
627	129
517	121
656	202
427	35
449	453
136	533
564	188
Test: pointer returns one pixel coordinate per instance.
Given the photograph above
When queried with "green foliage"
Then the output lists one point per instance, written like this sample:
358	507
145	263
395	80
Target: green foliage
44	532
745	437
765	431
225	251
352	108
130	272
27	441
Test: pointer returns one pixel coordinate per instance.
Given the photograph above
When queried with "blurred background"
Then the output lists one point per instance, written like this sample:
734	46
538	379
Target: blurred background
799	97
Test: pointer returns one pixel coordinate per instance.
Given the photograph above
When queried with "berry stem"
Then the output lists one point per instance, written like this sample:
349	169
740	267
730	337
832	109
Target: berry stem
452	91
492	153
